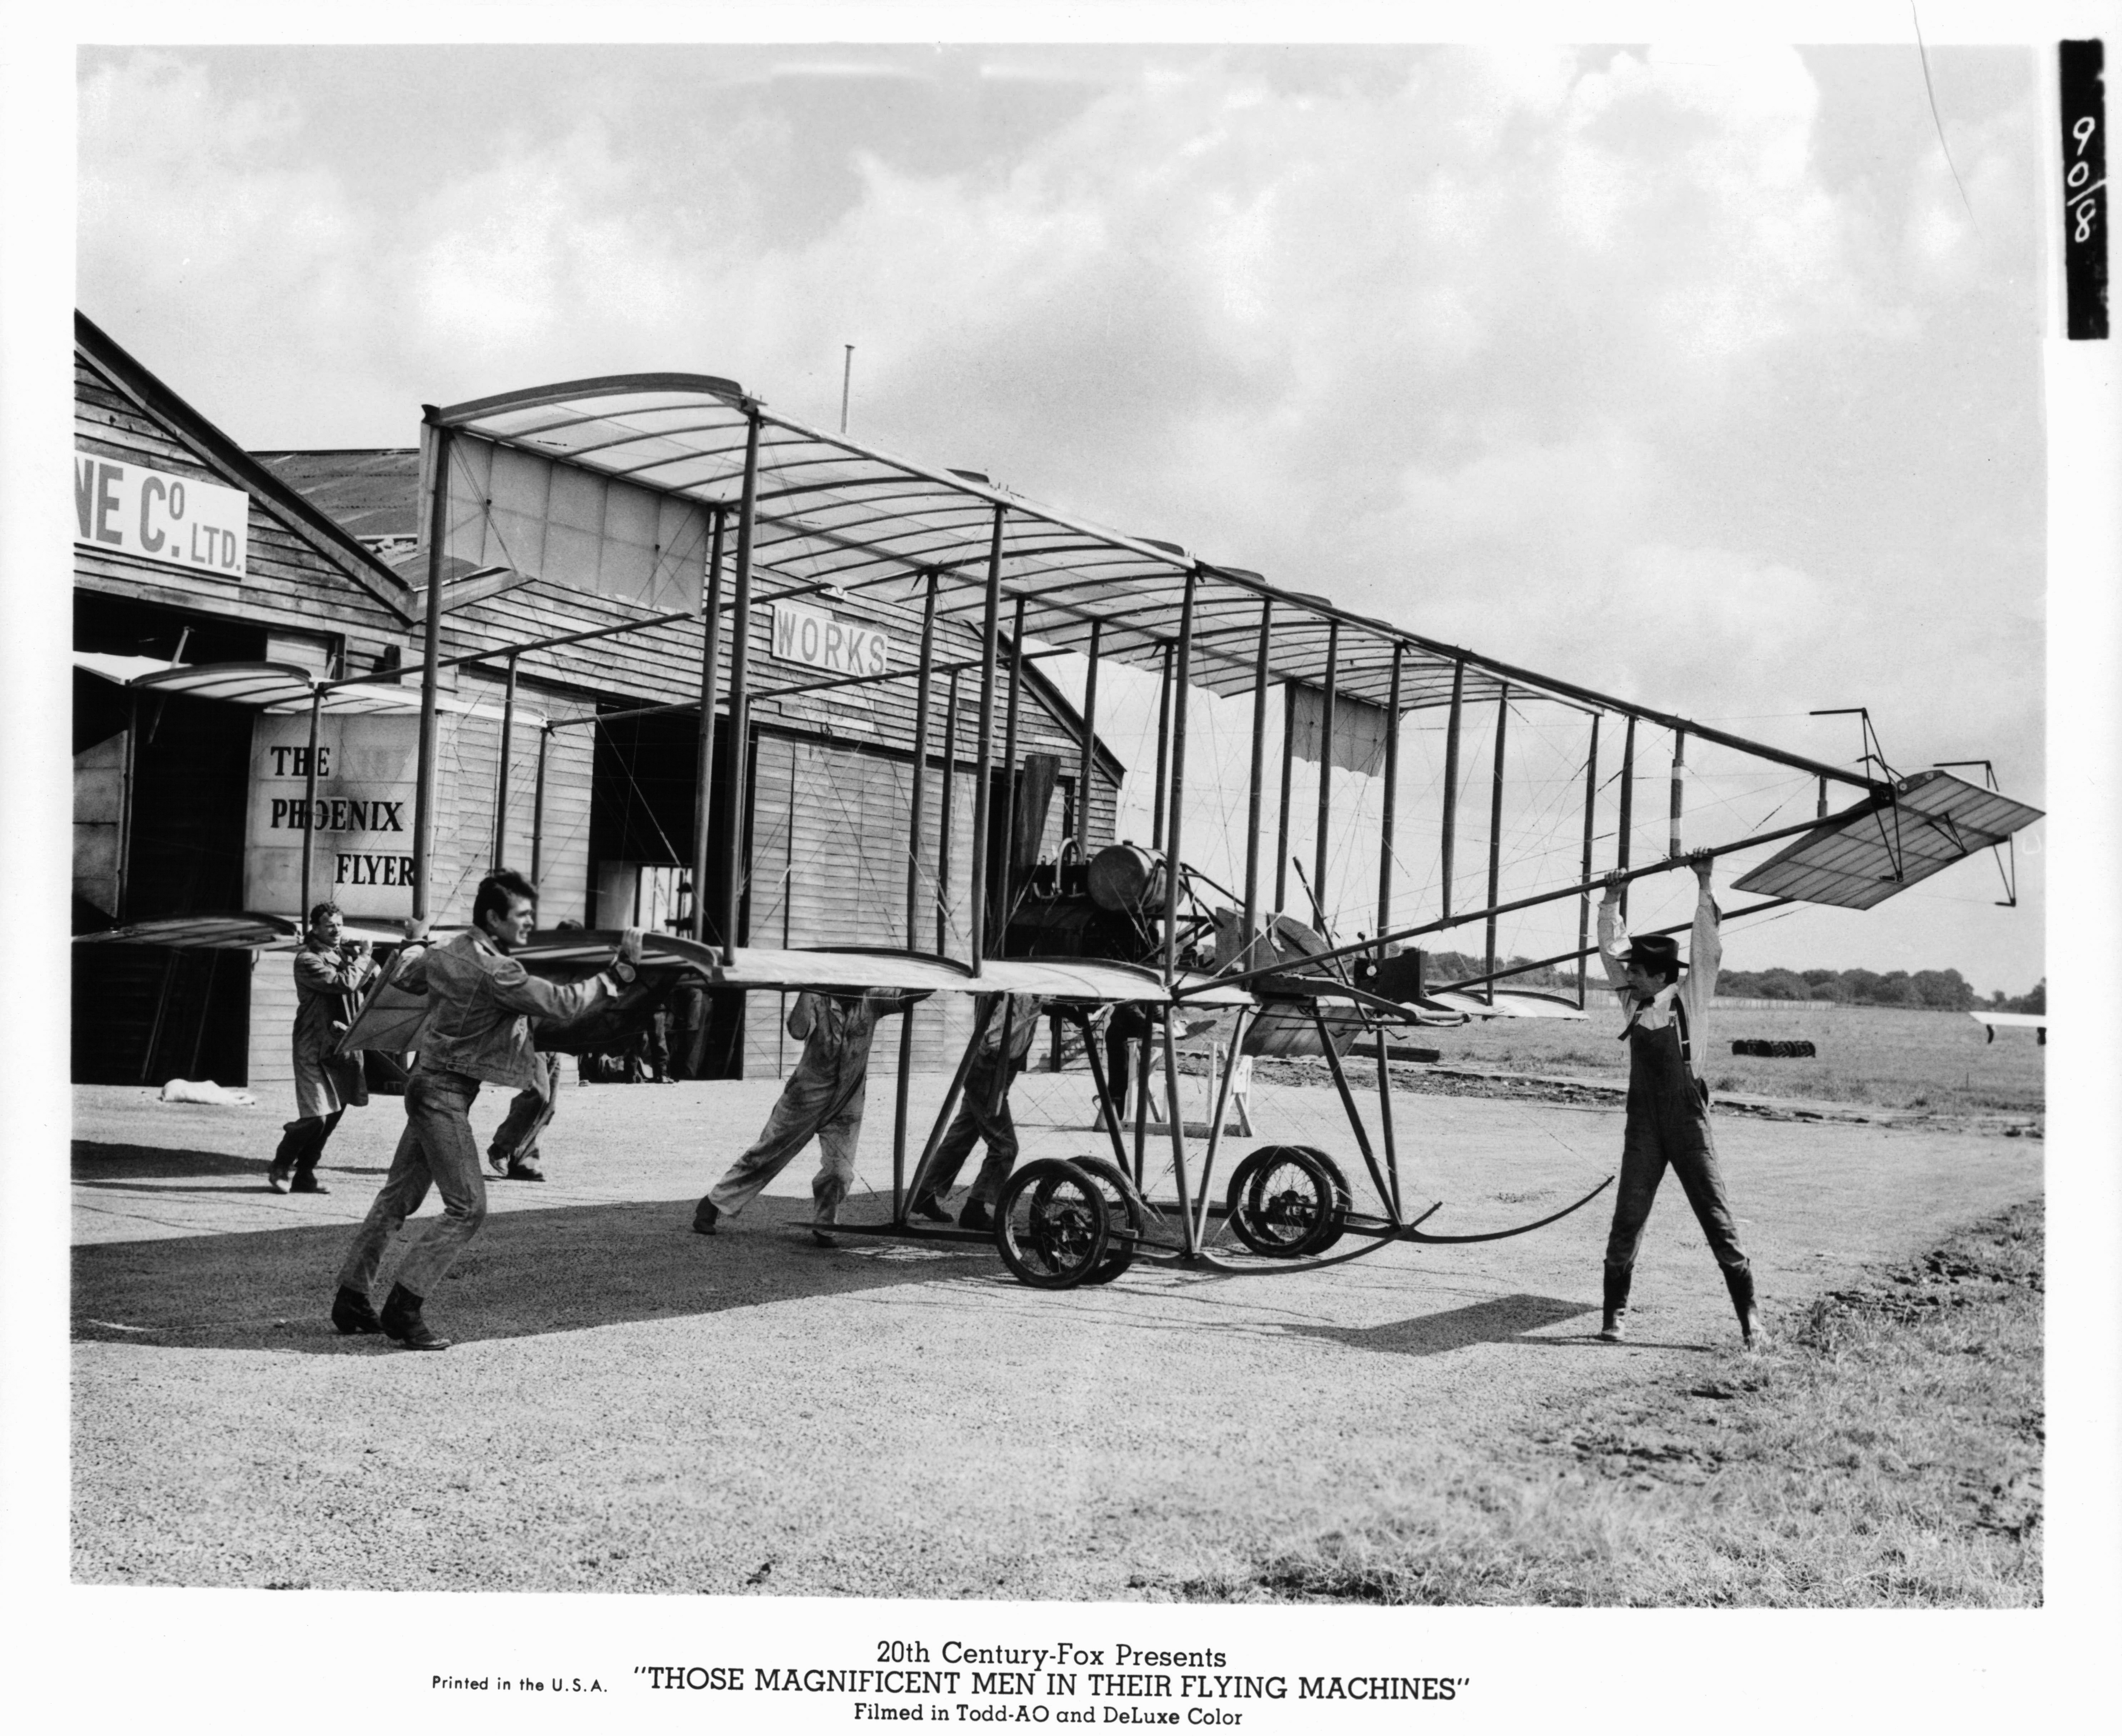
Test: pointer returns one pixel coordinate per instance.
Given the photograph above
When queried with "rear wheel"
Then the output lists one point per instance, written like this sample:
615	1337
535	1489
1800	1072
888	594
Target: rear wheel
1342	1198
1052	1225
1284	1203
1125	1222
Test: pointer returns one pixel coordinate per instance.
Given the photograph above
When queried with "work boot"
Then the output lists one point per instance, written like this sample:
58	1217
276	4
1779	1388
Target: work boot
306	1181
930	1207
276	1174
826	1213
352	1313
401	1322
521	1171
1740	1283
975	1216
705	1214
1614	1323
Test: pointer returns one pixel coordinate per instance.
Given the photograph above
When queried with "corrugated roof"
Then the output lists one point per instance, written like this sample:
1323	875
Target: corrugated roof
373	492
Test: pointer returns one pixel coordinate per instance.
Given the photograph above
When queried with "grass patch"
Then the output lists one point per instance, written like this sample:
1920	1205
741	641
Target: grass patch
1886	1056
1886	1451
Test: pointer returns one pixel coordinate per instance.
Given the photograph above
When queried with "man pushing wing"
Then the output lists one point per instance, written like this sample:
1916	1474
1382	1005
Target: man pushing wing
480	1004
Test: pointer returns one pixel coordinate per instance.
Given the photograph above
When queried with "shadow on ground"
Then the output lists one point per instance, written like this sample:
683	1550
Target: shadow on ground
98	1165
560	1269
1500	1321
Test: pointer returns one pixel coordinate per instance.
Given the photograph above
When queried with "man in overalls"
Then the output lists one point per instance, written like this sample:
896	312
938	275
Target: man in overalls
1668	1101
1008	1025
824	1098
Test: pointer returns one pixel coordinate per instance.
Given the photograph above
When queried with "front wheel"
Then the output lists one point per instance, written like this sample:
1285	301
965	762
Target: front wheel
1052	1225
1120	1212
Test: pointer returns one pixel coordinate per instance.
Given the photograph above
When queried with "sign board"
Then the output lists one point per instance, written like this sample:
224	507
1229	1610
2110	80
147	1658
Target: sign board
177	520
814	638
367	772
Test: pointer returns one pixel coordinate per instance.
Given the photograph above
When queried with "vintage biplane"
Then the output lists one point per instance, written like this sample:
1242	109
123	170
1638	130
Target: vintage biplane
705	470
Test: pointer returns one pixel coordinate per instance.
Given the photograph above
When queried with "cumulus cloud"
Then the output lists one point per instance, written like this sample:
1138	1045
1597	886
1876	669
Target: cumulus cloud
1684	372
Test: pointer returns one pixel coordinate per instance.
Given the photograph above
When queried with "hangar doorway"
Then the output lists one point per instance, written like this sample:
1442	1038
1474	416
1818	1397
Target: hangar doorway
145	1014
644	781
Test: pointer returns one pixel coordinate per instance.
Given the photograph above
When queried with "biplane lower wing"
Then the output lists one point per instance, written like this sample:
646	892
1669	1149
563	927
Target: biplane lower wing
242	930
390	1019
1508	1004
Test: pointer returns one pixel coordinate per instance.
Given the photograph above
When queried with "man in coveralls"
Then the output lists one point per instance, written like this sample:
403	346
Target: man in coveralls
480	1004
1011	1020
824	1098
513	1150
1668	1102
325	1084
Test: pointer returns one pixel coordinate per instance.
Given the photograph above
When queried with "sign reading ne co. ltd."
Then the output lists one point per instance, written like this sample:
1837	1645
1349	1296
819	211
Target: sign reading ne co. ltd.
179	521
812	637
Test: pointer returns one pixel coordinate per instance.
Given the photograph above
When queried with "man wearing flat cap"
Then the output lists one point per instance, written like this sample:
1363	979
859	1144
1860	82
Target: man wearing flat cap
1667	1007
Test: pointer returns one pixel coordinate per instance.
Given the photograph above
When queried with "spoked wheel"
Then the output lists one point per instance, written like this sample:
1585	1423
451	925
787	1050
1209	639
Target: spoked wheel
1283	1202
1342	1197
1124	1221
1052	1226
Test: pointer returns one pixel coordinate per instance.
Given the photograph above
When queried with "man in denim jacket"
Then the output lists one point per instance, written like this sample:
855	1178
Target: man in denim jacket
477	1028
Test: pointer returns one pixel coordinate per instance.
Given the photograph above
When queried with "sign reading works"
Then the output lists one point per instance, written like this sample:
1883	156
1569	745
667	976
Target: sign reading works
178	520
814	638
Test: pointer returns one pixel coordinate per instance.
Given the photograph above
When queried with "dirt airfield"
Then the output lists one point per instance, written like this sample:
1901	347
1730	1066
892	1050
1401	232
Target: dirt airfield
632	1407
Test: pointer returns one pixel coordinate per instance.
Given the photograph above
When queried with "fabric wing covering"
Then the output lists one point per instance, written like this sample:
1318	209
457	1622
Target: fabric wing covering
1933	820
834	517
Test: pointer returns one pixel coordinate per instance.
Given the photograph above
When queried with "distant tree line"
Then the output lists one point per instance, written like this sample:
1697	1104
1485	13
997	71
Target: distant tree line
1939	991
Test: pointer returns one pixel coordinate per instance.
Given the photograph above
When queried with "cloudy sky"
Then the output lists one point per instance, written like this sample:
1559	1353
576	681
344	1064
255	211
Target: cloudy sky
1707	378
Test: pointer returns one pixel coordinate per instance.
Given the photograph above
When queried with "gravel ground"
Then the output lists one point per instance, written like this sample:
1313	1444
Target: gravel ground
633	1407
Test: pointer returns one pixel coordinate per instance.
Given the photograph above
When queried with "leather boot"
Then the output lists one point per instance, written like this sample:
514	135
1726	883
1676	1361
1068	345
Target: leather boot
294	1137
401	1322
353	1312
1740	1283
1614	1325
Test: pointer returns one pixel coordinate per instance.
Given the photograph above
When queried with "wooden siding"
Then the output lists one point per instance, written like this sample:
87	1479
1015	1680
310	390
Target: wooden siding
289	581
273	1031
